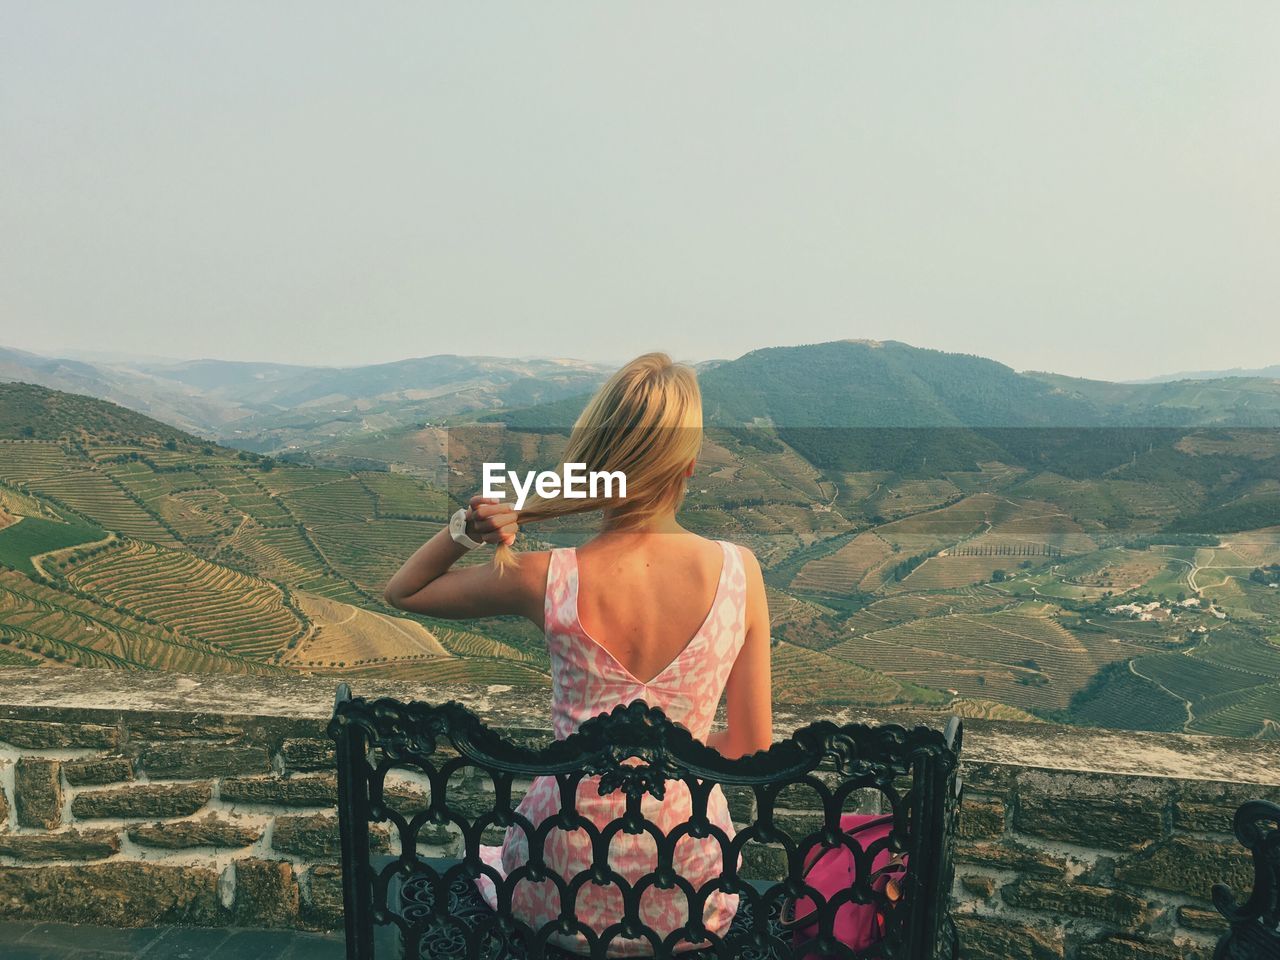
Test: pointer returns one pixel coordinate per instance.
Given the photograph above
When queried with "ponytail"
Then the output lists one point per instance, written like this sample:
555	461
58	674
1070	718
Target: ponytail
646	422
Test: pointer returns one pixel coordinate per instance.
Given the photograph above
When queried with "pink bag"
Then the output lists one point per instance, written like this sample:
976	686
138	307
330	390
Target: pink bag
857	925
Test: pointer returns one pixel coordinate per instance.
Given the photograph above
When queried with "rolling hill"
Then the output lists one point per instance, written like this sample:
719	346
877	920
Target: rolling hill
270	408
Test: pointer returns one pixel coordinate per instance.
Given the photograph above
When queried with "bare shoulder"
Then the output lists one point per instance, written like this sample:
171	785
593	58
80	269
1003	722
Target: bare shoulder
710	552
749	561
750	569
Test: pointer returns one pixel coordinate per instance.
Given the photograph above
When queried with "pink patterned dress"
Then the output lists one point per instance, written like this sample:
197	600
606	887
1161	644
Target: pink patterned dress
587	680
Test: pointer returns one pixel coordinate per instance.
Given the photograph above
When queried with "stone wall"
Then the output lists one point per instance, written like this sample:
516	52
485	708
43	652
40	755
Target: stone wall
130	800
131	819
1092	865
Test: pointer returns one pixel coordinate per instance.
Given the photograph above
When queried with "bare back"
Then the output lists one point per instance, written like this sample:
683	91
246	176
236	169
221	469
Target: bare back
644	597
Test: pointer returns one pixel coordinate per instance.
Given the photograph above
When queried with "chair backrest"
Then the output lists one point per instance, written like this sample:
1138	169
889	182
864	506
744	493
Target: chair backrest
444	783
1255	924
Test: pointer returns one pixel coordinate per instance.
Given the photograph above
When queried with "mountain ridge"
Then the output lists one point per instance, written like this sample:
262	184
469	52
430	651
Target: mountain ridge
274	408
888	384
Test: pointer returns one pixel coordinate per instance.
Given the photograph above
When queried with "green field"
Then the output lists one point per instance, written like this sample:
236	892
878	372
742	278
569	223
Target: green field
32	536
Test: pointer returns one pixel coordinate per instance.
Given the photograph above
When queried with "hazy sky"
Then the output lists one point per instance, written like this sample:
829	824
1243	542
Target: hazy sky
1087	187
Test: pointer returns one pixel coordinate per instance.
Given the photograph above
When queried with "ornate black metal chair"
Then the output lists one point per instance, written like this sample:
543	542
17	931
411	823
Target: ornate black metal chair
786	802
1255	924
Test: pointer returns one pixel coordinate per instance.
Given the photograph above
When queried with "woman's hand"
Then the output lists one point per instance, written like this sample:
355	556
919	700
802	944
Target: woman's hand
491	521
426	583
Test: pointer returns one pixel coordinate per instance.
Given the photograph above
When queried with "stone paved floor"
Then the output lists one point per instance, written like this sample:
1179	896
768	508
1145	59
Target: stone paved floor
64	941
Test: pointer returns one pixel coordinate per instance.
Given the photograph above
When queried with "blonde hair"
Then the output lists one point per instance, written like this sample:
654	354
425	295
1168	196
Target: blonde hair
646	421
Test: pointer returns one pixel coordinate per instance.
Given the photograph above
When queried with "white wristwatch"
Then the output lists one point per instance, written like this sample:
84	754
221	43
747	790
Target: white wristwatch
458	530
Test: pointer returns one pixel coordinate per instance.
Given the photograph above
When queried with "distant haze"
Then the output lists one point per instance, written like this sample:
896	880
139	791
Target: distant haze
1086	188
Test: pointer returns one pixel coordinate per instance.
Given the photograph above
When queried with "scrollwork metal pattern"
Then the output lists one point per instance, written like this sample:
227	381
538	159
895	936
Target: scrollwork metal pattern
1255	924
636	751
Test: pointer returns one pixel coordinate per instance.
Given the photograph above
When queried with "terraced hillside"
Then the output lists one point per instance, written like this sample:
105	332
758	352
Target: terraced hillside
843	571
149	549
49	626
234	611
1019	656
801	675
62	476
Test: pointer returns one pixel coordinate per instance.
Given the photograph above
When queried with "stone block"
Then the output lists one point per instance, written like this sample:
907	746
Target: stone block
37	792
442	834
1125	948
1010	856
45	735
1227	794
305	791
763	861
212	830
119	893
797	824
981	887
95	773
999	779
1210	807
1114	823
63	845
178	726
305	756
981	818
315	837
266	893
984	939
467	798
1203	817
4	807
1188	865
742	804
408	799
322	897
191	760
437	841
1193	918
1078	900
142	800
800	797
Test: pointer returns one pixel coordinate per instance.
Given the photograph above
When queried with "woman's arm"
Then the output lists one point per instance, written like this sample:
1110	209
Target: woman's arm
426	585
748	692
